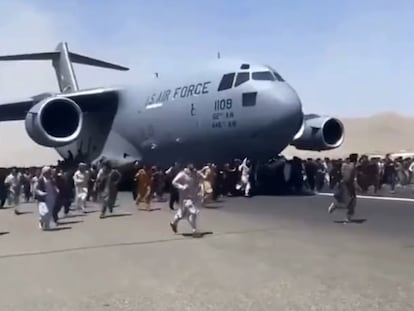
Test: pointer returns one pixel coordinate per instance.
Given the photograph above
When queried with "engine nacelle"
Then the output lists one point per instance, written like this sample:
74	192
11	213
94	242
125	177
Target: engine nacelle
54	122
319	133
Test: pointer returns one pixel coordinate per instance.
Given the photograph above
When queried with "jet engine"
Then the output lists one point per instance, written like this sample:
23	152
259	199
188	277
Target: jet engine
319	133
54	122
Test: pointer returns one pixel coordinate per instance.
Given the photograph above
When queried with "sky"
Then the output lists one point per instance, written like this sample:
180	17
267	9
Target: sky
344	58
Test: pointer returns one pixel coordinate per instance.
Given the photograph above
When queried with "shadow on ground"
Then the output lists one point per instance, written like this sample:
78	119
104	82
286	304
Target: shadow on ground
118	215
353	221
59	229
62	223
197	235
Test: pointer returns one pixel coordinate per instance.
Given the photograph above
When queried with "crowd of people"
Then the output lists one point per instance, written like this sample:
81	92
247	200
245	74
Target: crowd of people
57	188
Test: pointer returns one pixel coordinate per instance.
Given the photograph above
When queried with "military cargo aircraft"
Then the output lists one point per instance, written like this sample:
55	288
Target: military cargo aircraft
229	109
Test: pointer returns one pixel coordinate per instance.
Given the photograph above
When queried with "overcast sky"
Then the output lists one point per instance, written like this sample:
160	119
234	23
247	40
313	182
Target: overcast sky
345	58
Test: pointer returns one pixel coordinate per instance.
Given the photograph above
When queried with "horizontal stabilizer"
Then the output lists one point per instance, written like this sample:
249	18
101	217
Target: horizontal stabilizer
81	59
31	56
62	60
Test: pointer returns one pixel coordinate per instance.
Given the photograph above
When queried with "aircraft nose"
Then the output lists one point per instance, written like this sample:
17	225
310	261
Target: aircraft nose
289	107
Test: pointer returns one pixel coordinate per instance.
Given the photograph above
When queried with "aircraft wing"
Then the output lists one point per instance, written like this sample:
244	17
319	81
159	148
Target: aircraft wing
88	101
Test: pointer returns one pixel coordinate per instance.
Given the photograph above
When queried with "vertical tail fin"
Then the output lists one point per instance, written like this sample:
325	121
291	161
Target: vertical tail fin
62	60
64	70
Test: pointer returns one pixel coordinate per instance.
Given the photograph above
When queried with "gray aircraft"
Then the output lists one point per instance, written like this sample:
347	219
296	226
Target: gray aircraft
229	109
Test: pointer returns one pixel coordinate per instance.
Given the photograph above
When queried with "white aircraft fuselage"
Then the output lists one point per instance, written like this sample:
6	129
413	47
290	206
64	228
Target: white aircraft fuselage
192	121
227	109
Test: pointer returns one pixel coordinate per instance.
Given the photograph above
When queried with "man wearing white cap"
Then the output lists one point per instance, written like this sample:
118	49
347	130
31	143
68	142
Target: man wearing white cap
81	181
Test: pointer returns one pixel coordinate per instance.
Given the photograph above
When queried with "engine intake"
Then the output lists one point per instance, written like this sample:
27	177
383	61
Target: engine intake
319	133
54	122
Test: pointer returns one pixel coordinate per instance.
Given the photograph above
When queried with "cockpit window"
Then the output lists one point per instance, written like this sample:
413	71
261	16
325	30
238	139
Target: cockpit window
278	77
241	78
226	82
263	76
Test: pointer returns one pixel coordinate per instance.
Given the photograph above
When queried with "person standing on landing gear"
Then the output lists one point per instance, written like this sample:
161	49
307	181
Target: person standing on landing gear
187	182
345	195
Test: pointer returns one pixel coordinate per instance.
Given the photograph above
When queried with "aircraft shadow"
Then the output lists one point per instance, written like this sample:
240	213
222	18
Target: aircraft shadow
353	221
197	235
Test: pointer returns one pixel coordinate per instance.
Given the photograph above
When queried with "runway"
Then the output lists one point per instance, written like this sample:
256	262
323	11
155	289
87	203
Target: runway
265	253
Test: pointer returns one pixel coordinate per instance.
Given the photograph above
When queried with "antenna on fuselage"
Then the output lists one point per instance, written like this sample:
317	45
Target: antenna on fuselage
156	74
218	55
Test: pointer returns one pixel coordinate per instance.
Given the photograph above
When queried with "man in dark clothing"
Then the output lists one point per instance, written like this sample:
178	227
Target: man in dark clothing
3	187
345	195
390	172
64	197
335	174
310	169
170	175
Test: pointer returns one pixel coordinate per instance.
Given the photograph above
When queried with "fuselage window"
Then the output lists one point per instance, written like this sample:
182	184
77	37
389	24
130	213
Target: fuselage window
263	76
241	78
278	77
226	82
249	99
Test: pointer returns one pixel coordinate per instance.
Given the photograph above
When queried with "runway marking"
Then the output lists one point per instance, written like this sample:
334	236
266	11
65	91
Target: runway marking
174	238
373	198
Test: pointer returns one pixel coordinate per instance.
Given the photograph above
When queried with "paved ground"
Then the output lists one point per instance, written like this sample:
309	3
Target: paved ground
266	253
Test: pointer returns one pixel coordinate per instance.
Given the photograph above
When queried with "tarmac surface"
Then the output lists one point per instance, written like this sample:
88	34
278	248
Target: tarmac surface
265	253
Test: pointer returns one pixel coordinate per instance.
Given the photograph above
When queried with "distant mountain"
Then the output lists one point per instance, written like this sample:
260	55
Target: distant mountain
380	133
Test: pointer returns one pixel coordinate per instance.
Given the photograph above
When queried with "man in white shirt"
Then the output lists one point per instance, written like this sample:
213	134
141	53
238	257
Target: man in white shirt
81	181
244	183
187	182
13	185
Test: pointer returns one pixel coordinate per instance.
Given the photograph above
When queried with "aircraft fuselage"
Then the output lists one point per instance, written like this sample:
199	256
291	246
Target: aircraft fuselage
193	120
227	109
